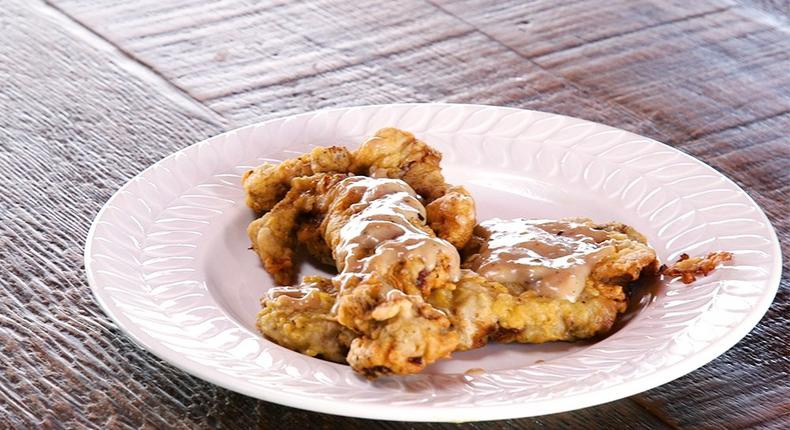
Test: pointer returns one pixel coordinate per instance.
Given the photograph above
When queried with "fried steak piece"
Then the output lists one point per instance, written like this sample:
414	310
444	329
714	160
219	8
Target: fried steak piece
390	153
388	261
482	310
300	318
402	299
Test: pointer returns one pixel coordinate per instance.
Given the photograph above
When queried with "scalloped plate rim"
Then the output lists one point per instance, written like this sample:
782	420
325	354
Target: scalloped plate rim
442	413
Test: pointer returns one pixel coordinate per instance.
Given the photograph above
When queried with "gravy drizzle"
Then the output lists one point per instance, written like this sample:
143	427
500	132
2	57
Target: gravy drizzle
550	257
386	228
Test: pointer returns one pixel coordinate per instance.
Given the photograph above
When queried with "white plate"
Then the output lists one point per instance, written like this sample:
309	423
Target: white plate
168	260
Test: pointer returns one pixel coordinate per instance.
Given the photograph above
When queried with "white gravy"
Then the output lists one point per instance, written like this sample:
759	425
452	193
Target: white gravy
553	258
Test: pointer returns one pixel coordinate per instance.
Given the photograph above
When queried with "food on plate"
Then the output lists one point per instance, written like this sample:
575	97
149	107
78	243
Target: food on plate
268	183
388	261
688	268
480	308
390	153
417	278
566	278
300	318
554	258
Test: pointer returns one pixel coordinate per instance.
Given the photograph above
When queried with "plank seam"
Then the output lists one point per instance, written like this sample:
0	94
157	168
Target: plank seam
641	404
298	78
134	65
739	125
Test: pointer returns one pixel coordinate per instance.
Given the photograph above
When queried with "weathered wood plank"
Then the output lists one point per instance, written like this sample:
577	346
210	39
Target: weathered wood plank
368	54
757	157
690	72
469	68
724	71
76	126
542	27
252	62
774	9
219	49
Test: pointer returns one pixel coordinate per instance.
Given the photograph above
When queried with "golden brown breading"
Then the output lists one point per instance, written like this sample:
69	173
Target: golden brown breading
309	237
481	310
300	318
527	318
388	214
475	310
390	153
478	310
266	184
273	234
304	321
397	154
470	307
631	258
452	216
388	260
688	268
400	335
272	239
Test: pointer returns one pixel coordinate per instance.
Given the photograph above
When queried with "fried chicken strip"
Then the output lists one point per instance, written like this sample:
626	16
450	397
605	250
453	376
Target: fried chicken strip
389	260
566	278
394	153
479	311
273	235
470	307
390	153
529	318
268	183
452	216
301	318
397	154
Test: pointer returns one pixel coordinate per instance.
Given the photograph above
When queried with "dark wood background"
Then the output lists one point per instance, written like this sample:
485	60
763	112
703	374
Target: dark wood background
93	92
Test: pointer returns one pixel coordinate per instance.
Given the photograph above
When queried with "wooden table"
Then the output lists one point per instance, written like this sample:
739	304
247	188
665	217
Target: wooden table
93	92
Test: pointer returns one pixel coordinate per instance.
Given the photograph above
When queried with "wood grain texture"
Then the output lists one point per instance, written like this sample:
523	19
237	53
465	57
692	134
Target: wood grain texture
725	66
74	127
408	51
78	121
774	9
539	28
215	51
